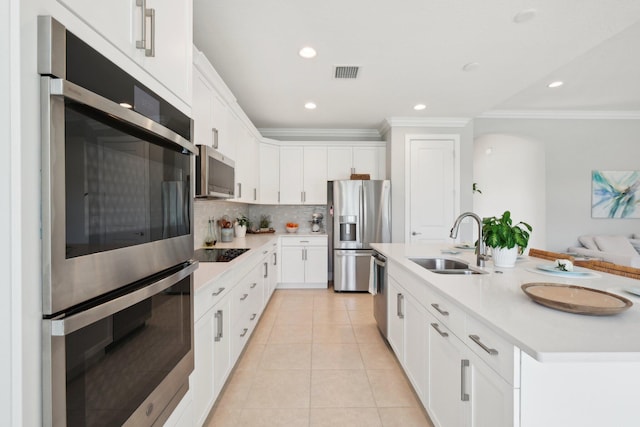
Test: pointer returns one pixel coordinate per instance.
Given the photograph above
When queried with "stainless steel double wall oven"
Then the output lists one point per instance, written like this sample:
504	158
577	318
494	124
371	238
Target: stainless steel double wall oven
117	241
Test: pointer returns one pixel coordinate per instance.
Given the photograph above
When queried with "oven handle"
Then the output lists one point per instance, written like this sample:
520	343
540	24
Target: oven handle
67	325
61	87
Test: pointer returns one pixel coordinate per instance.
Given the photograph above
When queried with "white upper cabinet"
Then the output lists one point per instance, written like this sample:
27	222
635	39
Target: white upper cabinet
159	40
204	132
247	167
269	173
346	160
223	126
303	175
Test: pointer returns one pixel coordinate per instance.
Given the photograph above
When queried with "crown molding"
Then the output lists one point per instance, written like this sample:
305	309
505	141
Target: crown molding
319	134
560	115
444	122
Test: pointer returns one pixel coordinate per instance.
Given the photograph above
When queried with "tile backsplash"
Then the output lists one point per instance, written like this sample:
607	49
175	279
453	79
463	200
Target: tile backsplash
279	214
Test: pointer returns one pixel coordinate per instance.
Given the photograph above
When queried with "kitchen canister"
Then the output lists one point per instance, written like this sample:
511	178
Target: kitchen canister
226	235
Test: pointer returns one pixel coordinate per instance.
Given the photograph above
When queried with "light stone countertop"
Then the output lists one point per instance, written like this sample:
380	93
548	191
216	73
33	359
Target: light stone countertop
546	334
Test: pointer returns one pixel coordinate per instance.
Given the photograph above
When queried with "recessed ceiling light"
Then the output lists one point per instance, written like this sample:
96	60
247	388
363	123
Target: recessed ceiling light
471	66
310	105
419	107
524	16
126	105
307	52
555	84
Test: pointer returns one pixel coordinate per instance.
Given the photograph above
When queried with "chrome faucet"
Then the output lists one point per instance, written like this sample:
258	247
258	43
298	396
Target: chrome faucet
480	250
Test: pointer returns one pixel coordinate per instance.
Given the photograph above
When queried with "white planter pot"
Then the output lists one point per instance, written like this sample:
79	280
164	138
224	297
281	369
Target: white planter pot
241	230
503	257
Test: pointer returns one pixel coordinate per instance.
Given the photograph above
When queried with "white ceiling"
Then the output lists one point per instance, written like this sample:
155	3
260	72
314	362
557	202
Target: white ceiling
413	51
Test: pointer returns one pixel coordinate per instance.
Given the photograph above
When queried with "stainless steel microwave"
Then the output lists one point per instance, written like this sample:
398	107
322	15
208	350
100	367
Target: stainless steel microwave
215	174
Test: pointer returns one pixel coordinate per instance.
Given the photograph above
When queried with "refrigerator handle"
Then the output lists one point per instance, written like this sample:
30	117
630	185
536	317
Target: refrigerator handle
361	220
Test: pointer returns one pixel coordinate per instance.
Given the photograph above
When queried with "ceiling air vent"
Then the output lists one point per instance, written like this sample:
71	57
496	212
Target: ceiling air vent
346	71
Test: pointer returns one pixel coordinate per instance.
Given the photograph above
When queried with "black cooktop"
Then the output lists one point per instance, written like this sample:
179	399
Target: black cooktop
217	254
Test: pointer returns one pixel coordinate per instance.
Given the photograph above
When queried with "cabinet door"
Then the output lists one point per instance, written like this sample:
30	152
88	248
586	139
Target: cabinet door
365	160
202	107
202	378
395	318
445	388
246	167
291	175
316	264
315	175
415	345
269	173
339	163
382	163
292	265
491	398
222	362
222	124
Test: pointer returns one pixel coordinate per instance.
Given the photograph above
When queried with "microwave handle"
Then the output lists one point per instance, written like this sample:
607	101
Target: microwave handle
67	325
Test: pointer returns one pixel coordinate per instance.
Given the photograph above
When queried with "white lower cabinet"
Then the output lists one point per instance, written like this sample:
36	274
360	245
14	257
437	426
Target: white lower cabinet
464	374
304	262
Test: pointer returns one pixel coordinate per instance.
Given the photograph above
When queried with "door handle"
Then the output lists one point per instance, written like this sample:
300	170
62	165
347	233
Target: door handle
266	270
142	43
464	363
399	299
214	132
239	190
218	317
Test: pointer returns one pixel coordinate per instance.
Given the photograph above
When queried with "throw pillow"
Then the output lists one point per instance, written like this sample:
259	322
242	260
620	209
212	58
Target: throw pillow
615	245
636	244
588	242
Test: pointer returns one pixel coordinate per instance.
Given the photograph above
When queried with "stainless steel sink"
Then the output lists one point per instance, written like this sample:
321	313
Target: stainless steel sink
445	266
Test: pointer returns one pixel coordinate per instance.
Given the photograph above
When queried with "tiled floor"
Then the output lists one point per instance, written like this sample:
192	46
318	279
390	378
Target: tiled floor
317	359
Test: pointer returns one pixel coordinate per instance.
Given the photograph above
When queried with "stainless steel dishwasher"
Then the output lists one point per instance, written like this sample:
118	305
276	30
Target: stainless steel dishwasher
380	297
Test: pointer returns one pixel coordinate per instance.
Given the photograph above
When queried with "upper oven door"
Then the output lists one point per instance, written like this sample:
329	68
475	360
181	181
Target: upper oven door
117	198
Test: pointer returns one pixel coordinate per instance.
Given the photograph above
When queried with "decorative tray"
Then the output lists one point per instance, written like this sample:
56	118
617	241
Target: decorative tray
576	299
271	230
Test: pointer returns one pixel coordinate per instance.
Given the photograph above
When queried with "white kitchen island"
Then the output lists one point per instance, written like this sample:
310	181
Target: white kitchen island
479	352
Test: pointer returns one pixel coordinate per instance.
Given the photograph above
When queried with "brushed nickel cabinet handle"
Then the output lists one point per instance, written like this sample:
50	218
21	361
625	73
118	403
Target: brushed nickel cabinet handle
464	363
215	294
244	332
253	316
219	318
266	270
214	133
244	297
253	285
142	43
151	52
399	299
437	307
437	328
476	339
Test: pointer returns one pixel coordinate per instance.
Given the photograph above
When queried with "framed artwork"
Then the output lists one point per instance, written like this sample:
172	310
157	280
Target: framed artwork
615	194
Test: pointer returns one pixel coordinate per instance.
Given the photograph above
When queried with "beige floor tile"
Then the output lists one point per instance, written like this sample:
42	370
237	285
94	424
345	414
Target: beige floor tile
332	317
340	389
391	388
362	317
328	302
290	333
377	355
279	389
236	390
223	417
336	356
367	333
250	359
359	302
274	417
328	333
351	417
404	417
296	302
286	356
261	333
295	316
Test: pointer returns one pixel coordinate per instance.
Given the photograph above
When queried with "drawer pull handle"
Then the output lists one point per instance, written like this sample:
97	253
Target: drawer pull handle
441	311
264	252
244	332
437	328
253	316
253	285
215	294
244	297
476	339
463	383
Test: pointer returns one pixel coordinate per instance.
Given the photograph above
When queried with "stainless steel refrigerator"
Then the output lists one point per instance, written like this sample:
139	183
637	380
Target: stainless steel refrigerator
360	214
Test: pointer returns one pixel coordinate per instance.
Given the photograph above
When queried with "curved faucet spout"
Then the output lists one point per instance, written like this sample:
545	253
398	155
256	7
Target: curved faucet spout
480	250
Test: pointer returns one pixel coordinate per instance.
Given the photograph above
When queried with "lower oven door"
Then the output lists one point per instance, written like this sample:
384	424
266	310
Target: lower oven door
122	362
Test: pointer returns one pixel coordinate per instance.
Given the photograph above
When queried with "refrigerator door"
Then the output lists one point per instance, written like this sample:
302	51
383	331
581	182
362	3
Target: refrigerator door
351	270
376	212
347	214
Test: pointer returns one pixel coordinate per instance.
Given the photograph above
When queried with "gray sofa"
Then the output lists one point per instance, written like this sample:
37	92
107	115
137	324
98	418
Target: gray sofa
619	250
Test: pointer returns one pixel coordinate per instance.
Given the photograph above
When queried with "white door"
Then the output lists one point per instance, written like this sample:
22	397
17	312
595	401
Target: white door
431	190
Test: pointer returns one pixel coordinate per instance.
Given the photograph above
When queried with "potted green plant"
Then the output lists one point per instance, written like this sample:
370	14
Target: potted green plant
241	225
505	239
265	222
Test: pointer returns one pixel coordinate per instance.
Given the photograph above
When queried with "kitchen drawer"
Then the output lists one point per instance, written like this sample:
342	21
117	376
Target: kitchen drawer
209	295
446	312
502	356
240	333
304	240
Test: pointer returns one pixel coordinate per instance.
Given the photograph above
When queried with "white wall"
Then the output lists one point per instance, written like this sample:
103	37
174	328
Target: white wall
510	172
396	145
573	148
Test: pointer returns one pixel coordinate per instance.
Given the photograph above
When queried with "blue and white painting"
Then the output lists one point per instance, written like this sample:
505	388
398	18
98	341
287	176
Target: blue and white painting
615	194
